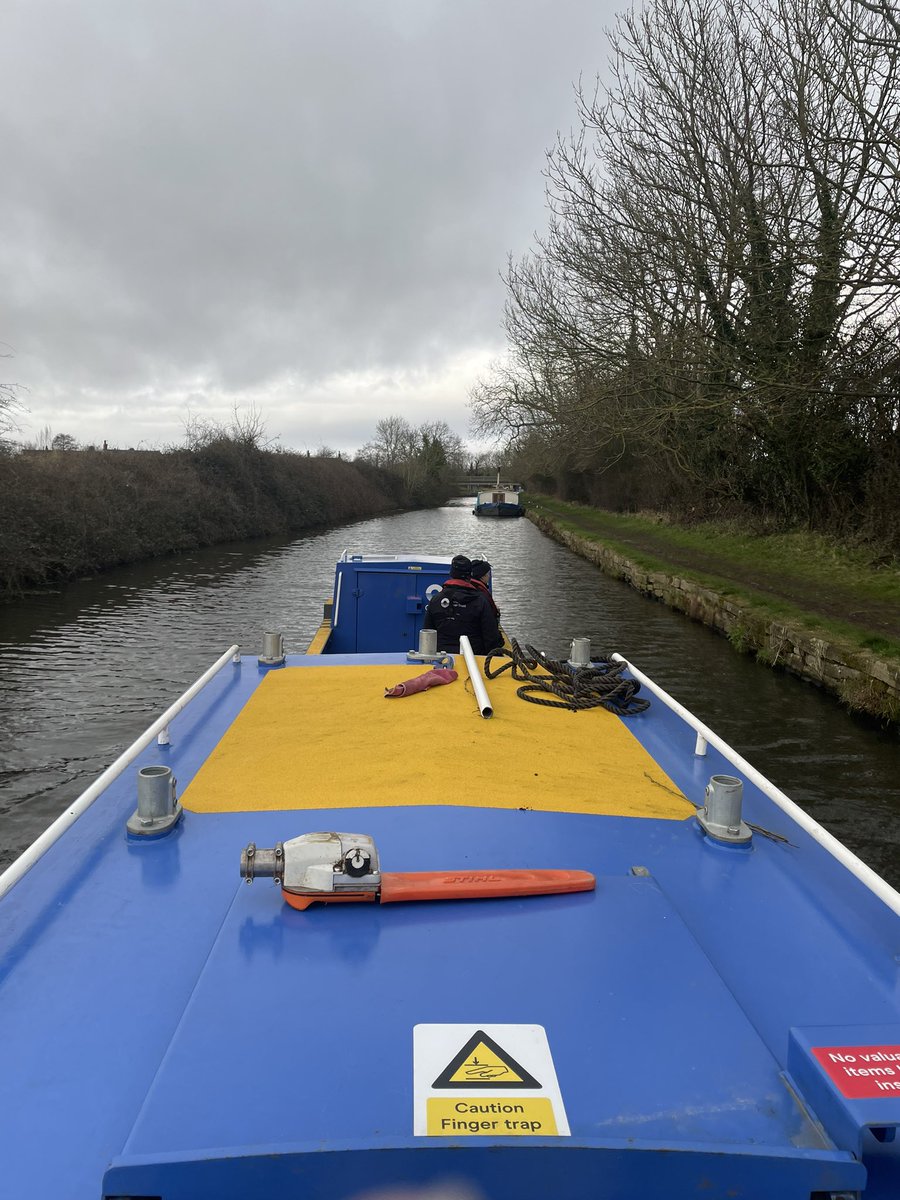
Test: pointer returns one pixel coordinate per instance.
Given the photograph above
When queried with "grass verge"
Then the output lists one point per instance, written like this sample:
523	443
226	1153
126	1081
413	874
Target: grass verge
838	592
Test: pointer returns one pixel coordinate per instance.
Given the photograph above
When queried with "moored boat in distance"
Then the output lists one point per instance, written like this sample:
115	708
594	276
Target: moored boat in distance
519	927
498	502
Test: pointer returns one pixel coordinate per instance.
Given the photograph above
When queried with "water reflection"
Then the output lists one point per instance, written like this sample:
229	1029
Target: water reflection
84	670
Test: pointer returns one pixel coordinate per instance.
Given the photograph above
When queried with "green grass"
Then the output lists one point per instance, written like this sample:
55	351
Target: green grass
843	573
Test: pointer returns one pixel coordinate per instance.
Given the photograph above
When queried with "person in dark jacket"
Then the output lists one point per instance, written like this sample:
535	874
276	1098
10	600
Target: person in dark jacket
481	577
462	607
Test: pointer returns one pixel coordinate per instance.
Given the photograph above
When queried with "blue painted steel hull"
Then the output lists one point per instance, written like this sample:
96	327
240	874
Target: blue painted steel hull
169	1032
498	510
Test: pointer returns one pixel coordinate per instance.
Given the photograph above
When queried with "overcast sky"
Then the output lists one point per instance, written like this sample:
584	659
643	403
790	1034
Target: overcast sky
298	205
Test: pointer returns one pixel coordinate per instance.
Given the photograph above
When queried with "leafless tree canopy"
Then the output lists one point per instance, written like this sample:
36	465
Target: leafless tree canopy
713	309
10	404
422	456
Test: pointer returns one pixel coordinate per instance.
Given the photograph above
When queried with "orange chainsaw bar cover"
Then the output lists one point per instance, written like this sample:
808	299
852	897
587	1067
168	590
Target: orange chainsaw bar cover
472	885
454	885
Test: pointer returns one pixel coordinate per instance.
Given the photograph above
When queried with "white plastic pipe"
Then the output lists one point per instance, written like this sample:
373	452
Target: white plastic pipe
481	696
52	833
838	850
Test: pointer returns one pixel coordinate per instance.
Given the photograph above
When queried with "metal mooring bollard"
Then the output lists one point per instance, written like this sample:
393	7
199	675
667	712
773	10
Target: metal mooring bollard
720	818
580	652
157	810
273	650
427	651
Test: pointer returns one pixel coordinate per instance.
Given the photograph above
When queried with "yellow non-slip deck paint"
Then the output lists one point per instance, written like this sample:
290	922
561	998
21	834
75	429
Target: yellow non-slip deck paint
326	737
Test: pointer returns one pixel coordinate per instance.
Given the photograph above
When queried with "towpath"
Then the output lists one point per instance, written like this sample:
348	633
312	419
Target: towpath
870	615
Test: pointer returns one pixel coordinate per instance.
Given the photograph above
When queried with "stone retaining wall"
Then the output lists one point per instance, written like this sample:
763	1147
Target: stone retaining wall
861	680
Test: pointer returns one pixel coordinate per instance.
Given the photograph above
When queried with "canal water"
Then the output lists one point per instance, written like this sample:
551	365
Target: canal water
85	669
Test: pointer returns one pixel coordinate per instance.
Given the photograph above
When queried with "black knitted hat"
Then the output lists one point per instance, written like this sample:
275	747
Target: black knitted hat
460	567
480	568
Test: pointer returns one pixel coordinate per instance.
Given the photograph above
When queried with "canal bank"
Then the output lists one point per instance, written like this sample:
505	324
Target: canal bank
862	679
87	666
71	514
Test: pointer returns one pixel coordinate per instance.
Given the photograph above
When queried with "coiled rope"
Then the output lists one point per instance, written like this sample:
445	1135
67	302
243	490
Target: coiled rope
599	685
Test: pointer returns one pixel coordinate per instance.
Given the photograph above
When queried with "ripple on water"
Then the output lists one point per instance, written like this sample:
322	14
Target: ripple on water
84	670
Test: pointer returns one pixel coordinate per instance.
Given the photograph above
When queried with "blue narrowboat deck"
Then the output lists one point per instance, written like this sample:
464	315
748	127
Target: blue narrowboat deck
716	1018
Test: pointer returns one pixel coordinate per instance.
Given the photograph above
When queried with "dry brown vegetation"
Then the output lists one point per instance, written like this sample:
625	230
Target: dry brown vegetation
70	513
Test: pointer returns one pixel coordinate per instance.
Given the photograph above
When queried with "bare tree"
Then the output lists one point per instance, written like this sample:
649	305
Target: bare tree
10	401
395	442
447	447
422	457
248	428
718	286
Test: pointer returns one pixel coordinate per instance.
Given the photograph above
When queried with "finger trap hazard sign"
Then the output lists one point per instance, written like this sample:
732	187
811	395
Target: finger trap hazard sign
485	1081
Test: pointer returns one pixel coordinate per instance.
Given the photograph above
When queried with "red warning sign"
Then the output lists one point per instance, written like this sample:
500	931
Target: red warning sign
861	1072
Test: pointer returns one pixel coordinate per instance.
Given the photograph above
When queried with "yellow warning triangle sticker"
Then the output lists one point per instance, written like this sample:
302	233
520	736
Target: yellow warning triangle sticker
482	1063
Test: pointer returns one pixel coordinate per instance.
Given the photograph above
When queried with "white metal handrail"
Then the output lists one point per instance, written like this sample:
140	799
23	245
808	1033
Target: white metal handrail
838	850
52	833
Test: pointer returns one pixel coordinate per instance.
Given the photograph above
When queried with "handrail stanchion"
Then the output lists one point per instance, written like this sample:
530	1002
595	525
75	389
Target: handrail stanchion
838	850
41	845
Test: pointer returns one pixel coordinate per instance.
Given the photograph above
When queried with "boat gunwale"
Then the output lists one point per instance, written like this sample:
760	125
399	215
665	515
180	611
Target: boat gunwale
874	882
42	843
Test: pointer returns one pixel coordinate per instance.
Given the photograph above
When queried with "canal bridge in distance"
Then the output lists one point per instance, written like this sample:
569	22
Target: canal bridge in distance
468	485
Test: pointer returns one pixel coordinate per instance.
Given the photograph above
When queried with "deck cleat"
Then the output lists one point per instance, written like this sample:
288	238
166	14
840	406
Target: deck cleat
343	867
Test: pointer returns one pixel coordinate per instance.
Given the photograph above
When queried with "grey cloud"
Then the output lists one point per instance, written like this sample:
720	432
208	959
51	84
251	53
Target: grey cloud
237	193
